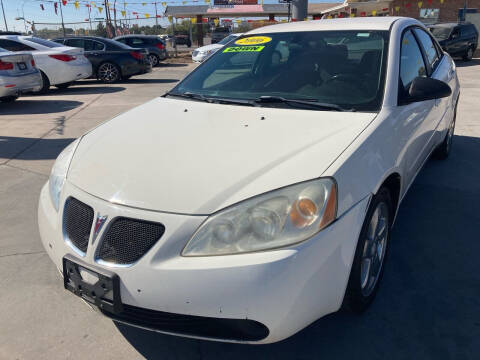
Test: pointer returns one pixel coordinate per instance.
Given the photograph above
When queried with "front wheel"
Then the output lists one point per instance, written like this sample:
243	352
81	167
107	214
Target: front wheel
154	60
108	73
372	246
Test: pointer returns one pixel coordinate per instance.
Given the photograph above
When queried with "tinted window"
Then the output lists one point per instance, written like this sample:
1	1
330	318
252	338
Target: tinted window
123	41
43	42
429	47
411	61
441	32
98	46
115	45
11	45
78	43
345	68
136	42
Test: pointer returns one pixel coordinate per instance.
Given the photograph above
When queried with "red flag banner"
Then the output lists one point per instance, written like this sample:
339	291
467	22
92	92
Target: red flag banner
64	2
41	7
55	6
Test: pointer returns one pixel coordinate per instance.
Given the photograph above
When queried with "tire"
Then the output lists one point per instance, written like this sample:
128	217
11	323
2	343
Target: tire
445	147
468	54
9	99
109	73
370	254
45	84
154	59
63	86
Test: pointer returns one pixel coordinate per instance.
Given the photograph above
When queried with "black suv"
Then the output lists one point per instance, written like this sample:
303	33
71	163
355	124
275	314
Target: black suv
456	39
155	46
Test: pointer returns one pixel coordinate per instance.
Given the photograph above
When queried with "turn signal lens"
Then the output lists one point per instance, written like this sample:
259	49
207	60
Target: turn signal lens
303	212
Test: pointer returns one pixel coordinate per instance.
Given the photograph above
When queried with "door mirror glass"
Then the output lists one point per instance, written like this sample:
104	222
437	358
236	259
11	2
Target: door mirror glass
423	88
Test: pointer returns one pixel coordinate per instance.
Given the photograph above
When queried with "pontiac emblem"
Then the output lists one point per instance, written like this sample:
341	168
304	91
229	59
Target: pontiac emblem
98	226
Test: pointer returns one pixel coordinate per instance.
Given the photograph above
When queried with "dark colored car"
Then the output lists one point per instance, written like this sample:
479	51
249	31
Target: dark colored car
157	51
456	39
111	60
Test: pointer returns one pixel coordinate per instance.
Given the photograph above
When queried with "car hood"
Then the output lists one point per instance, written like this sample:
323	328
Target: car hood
192	157
209	47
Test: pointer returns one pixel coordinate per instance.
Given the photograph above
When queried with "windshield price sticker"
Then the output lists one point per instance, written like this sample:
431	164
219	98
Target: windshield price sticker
243	49
253	40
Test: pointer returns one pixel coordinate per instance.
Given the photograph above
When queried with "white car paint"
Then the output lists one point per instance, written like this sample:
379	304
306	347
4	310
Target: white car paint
16	80
156	168
57	71
201	53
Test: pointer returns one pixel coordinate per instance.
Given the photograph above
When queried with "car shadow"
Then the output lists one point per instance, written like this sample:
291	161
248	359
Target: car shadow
26	106
462	63
428	304
12	147
77	89
171	65
149	81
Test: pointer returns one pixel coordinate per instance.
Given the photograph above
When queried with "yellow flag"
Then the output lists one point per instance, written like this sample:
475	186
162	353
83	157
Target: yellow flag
238	21
329	17
441	1
207	1
86	31
420	3
123	13
170	18
147	15
76	4
397	8
143	4
164	4
215	21
374	13
352	15
100	9
193	20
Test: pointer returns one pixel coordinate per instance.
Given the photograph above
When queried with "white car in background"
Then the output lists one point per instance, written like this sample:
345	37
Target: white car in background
18	75
199	55
264	196
59	65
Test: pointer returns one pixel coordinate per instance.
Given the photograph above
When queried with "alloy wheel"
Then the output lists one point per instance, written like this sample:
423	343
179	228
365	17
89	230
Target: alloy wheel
153	60
108	72
374	249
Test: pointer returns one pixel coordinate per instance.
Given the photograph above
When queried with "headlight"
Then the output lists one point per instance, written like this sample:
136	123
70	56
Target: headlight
279	218
59	172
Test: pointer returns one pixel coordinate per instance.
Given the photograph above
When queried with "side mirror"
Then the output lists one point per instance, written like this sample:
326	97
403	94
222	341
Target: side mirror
454	35
424	88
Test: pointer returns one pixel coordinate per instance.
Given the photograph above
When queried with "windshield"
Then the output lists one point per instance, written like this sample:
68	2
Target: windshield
441	33
43	42
345	68
227	39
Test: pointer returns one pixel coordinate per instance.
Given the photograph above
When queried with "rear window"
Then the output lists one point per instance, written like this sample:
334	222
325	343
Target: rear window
43	42
441	32
115	45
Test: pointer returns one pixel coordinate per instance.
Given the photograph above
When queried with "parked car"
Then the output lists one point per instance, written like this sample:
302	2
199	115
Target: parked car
219	33
111	60
157	50
183	40
200	54
456	39
59	65
257	195
18	74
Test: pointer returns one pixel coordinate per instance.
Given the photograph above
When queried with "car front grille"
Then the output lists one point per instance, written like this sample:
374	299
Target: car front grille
77	223
208	327
126	240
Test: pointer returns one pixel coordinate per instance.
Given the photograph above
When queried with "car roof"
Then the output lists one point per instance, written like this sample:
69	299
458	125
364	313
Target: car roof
137	35
360	23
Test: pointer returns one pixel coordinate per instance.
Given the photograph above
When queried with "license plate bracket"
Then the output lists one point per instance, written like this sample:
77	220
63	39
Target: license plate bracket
22	66
102	288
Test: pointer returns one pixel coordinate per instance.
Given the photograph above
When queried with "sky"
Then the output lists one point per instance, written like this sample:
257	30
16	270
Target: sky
33	12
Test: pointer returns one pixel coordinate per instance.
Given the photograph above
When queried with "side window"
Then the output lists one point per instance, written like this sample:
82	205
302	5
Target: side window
136	42
411	62
88	45
429	47
78	43
98	46
123	41
455	33
11	45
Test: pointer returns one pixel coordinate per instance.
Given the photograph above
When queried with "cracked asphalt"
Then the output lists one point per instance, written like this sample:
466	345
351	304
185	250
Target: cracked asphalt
428	306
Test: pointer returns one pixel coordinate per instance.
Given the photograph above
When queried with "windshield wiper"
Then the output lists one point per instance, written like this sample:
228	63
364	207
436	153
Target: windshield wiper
210	99
295	102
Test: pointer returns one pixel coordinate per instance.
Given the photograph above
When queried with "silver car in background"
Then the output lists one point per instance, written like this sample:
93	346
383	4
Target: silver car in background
18	74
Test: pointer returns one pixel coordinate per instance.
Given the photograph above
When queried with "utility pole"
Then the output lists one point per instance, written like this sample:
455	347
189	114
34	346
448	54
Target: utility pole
465	10
4	18
156	15
63	24
115	17
89	18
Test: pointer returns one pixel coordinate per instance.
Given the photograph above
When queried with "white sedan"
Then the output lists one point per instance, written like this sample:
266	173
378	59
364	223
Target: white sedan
59	65
264	196
201	53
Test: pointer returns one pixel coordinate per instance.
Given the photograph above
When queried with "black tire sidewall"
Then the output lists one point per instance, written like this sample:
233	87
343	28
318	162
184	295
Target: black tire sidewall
119	75
354	300
45	83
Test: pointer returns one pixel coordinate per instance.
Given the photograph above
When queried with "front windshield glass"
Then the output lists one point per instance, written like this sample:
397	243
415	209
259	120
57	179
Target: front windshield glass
345	68
441	33
227	39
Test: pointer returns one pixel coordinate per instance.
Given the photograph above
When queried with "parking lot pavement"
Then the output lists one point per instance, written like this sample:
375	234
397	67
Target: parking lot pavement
427	307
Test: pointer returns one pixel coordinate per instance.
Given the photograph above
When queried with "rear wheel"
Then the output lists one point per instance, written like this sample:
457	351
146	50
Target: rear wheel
372	246
154	60
108	73
468	55
45	84
63	86
9	99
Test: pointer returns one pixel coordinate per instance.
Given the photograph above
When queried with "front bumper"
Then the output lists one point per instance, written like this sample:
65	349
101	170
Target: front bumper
284	289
